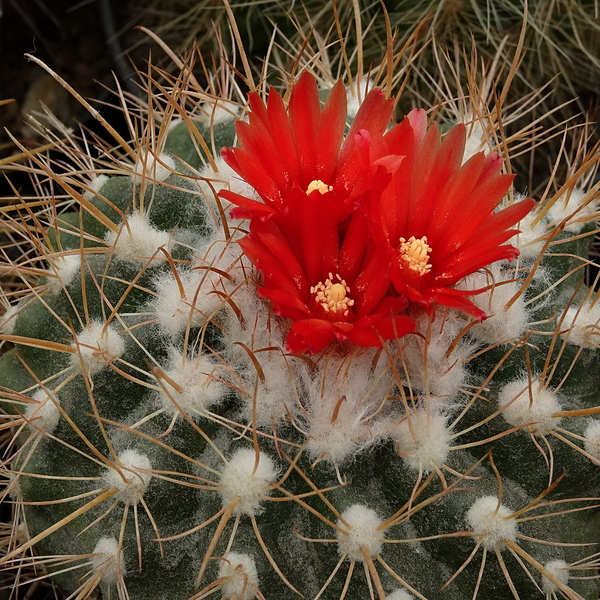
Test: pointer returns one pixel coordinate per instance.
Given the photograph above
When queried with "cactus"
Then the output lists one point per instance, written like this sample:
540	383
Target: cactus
188	419
561	39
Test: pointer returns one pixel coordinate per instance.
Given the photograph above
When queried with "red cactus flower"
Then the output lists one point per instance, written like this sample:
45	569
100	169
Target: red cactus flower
440	216
285	155
307	238
351	230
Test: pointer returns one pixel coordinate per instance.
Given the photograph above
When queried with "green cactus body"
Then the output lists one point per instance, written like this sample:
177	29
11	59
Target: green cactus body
167	445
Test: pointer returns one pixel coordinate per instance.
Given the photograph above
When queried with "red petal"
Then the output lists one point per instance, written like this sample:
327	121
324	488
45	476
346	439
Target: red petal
304	114
247	208
285	304
279	123
330	133
371	334
309	336
455	299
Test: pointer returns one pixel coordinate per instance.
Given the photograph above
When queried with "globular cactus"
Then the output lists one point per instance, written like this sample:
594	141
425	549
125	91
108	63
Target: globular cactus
560	42
318	363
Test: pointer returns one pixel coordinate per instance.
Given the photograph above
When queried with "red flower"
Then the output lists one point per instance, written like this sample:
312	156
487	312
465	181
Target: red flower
438	215
284	155
349	231
308	238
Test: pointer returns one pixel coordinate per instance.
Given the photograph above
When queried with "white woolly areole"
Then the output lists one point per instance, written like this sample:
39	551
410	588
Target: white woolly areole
137	239
276	396
131	480
361	532
342	402
95	185
567	207
108	560
592	439
258	329
240	480
214	275
199	388
559	569
429	366
491	525
476	141
96	347
399	594
241	576
63	270
224	178
43	412
157	169
9	319
355	97
530	240
217	113
581	325
423	440
175	311
503	324
521	407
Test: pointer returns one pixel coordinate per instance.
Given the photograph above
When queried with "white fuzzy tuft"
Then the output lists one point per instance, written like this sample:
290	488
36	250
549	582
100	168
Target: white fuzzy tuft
558	569
95	185
9	319
276	396
131	480
151	167
592	439
491	525
357	95
581	325
399	594
173	123
216	113
341	403
108	560
199	390
96	347
240	479
361	531
575	206
273	398
240	575
476	140
224	178
531	238
215	272
258	329
503	324
423	440
428	365
534	409
63	270
137	239
43	413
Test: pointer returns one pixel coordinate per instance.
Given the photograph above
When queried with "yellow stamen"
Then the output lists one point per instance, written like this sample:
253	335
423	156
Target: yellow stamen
333	297
317	184
415	254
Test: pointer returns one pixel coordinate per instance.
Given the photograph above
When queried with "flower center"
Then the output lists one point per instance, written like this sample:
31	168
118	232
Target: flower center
317	184
415	253
333	297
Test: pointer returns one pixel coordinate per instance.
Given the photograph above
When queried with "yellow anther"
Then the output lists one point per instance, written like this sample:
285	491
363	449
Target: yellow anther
317	184
415	253
333	297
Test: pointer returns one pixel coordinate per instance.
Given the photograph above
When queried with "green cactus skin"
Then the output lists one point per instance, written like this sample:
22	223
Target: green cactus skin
166	446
